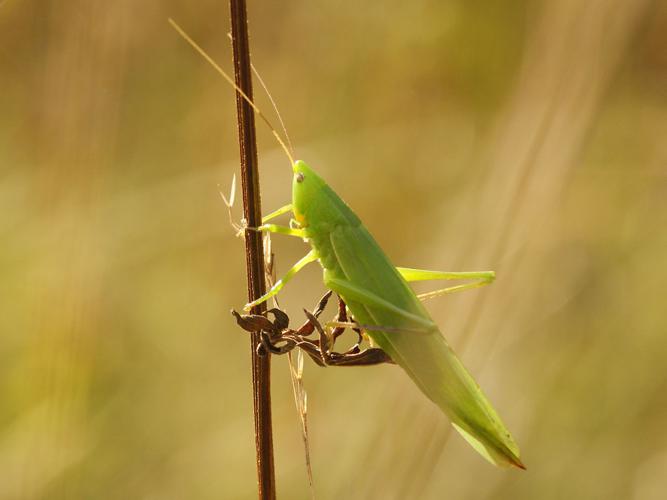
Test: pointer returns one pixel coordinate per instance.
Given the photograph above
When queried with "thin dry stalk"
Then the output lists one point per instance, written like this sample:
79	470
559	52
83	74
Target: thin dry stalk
261	365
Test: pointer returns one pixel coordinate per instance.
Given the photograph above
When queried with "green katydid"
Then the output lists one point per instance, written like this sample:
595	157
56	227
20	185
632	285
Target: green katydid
377	293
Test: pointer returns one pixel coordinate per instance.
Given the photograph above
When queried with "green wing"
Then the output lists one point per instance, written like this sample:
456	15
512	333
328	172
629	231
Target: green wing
427	358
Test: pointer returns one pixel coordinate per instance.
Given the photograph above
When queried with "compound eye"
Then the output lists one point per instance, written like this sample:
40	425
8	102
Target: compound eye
300	177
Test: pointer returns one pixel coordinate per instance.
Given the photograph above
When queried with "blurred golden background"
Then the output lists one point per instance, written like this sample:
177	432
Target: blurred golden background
525	137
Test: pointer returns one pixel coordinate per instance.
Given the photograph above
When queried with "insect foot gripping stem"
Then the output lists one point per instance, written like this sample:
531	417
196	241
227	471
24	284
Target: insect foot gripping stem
278	338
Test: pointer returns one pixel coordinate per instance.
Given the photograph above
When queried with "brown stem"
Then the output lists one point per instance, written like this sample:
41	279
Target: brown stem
261	365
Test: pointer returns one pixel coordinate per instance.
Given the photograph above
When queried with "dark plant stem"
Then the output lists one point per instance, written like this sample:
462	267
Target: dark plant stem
261	365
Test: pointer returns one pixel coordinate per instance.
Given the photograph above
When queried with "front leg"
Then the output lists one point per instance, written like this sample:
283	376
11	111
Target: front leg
276	213
275	228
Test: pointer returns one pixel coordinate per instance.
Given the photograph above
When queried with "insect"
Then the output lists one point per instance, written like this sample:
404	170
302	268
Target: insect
377	293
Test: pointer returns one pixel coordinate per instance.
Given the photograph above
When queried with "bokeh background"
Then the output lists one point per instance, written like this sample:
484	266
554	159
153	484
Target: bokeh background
529	137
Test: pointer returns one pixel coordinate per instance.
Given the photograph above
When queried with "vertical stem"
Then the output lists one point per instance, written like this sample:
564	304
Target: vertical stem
261	365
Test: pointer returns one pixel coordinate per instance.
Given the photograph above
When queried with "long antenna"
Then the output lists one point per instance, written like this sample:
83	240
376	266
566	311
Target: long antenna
273	103
275	106
231	82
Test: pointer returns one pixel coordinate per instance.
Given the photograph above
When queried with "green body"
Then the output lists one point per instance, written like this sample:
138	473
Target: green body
375	292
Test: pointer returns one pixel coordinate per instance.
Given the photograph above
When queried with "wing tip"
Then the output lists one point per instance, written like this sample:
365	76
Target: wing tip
516	462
